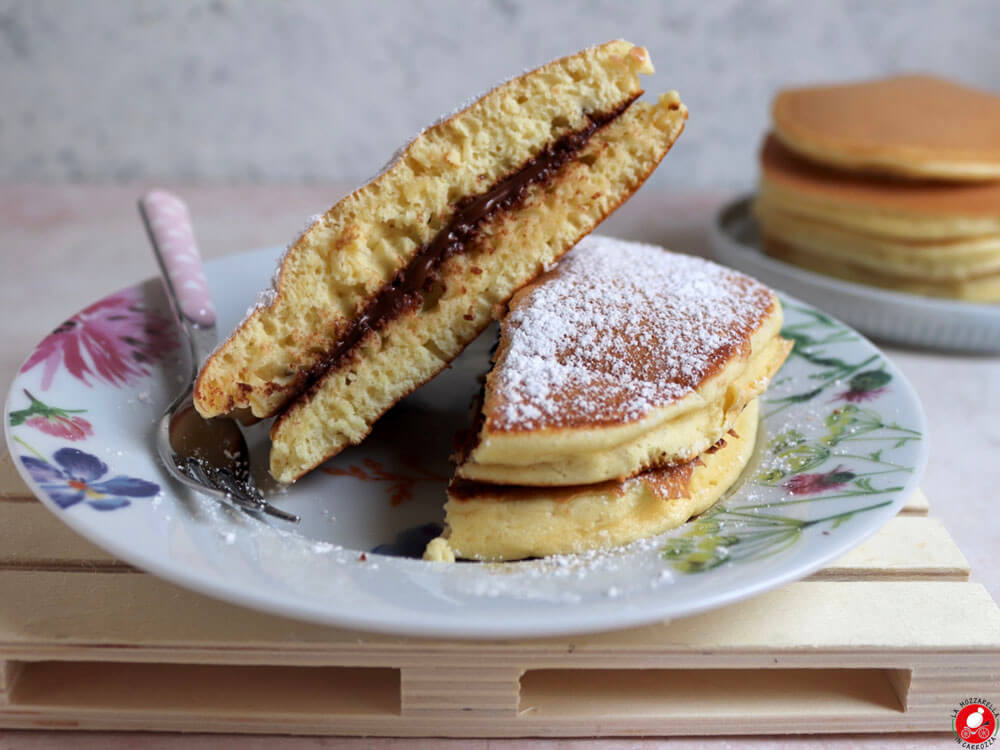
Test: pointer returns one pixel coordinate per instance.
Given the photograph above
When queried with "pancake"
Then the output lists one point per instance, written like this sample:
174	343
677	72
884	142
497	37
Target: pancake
622	358
386	288
914	126
979	289
921	210
488	522
930	261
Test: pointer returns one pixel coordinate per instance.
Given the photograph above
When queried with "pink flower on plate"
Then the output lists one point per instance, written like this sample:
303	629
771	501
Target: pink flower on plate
52	420
71	428
865	386
810	484
114	340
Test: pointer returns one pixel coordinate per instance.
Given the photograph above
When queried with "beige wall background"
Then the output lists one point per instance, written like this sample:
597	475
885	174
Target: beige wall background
300	91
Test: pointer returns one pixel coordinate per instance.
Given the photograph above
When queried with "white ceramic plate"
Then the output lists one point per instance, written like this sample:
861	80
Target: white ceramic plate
843	446
880	313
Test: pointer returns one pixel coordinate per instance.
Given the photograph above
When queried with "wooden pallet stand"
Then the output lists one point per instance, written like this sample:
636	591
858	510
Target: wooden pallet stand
889	638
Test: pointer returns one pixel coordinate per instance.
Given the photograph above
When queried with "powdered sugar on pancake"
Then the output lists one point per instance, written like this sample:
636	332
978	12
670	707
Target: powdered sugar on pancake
616	330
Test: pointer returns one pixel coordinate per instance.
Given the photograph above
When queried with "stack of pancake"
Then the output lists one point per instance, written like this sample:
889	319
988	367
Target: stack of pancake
893	183
622	401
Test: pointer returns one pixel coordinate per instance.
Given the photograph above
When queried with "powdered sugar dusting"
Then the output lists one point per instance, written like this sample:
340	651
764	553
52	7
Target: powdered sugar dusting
616	330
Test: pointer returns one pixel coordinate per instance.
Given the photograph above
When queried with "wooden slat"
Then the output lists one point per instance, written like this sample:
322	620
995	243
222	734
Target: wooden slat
9	672
908	548
32	538
140	617
12	487
916	504
444	690
644	702
827	716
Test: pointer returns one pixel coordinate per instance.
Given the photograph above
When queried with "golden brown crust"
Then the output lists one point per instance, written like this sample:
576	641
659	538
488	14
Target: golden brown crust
912	125
790	173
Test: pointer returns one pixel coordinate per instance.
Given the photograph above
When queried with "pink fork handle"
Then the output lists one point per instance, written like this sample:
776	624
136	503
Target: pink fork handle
170	224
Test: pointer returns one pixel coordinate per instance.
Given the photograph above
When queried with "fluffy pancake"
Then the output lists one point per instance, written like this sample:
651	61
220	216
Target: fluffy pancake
386	288
887	207
487	522
622	358
979	289
932	238
930	261
914	125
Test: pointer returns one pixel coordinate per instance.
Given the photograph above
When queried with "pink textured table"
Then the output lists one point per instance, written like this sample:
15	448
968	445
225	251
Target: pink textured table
65	246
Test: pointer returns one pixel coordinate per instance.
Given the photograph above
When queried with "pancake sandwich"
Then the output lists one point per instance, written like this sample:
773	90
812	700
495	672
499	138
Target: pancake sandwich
387	287
616	376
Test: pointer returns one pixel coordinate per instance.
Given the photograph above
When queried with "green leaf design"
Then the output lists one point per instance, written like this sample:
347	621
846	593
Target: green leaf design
771	476
870	380
814	464
850	421
804	457
785	440
37	408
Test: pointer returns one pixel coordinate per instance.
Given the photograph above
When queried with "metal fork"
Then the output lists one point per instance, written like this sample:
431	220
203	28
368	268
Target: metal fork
207	455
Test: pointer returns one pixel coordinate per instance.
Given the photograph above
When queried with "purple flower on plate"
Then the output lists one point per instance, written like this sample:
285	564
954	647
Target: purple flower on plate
810	484
114	340
76	479
865	386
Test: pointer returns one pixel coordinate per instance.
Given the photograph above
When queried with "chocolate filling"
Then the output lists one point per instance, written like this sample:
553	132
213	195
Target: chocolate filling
407	288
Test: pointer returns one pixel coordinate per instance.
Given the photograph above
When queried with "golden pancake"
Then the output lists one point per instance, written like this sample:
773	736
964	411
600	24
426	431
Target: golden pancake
386	288
928	261
622	358
915	126
489	522
921	210
979	289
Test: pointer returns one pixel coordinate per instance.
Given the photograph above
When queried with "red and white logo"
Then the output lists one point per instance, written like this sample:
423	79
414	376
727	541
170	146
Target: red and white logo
975	723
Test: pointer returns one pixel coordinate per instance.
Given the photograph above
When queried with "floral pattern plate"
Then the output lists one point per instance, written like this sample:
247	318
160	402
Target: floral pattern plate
843	444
